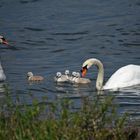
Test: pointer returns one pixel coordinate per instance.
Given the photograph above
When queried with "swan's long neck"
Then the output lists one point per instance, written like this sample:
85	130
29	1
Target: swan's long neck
100	76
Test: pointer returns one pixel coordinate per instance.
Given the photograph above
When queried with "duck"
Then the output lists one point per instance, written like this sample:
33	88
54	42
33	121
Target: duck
2	74
78	79
32	78
125	76
62	78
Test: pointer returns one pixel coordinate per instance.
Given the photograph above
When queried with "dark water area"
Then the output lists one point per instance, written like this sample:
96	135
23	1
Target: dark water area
50	36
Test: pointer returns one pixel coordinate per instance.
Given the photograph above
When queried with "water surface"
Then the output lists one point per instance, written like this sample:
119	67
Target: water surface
50	36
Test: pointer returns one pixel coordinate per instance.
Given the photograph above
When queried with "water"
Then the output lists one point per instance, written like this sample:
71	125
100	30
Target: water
50	36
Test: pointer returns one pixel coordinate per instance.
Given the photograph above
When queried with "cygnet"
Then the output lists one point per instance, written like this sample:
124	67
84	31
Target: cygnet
78	80
72	77
31	77
62	78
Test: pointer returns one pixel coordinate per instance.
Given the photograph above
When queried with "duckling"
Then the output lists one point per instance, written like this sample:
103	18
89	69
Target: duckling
62	78
77	79
31	77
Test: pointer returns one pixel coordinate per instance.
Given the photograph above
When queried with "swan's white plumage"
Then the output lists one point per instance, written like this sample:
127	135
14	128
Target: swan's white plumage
2	75
125	76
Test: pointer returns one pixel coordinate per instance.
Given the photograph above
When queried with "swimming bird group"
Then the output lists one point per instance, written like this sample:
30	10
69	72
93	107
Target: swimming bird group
124	77
73	78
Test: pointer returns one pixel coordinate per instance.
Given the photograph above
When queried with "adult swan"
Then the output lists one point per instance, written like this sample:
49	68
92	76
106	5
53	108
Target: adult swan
124	77
2	75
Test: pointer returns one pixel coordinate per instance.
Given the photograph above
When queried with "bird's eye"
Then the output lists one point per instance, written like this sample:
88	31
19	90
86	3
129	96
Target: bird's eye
2	38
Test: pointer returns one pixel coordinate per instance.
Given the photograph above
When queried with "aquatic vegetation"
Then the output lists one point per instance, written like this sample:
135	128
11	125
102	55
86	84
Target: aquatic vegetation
96	120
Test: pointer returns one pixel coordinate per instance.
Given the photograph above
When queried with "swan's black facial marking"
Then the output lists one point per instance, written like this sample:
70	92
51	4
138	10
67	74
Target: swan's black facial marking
3	40
84	71
85	67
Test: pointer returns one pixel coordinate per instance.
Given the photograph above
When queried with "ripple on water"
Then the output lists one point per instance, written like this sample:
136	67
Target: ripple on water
131	44
52	36
71	33
73	39
28	1
34	29
58	50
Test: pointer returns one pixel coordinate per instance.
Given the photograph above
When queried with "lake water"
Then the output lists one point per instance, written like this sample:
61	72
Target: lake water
50	36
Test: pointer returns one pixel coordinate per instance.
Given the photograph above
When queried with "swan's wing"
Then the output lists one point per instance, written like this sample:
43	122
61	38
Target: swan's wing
126	76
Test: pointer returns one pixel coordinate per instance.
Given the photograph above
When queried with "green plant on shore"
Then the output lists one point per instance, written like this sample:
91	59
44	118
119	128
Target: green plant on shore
96	120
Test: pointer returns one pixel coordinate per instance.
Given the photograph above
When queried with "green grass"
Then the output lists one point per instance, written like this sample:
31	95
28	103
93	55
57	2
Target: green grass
96	120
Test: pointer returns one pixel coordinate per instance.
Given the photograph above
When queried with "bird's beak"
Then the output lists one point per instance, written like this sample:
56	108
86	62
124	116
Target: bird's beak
5	42
84	71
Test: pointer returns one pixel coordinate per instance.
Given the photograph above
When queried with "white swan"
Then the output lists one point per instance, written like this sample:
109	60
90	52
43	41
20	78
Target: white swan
3	40
2	75
78	80
124	77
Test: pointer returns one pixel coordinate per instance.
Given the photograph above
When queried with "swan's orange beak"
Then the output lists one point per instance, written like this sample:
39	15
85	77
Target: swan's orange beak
4	41
84	71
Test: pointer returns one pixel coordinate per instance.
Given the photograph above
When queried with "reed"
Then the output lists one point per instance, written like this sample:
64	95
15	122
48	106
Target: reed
95	120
